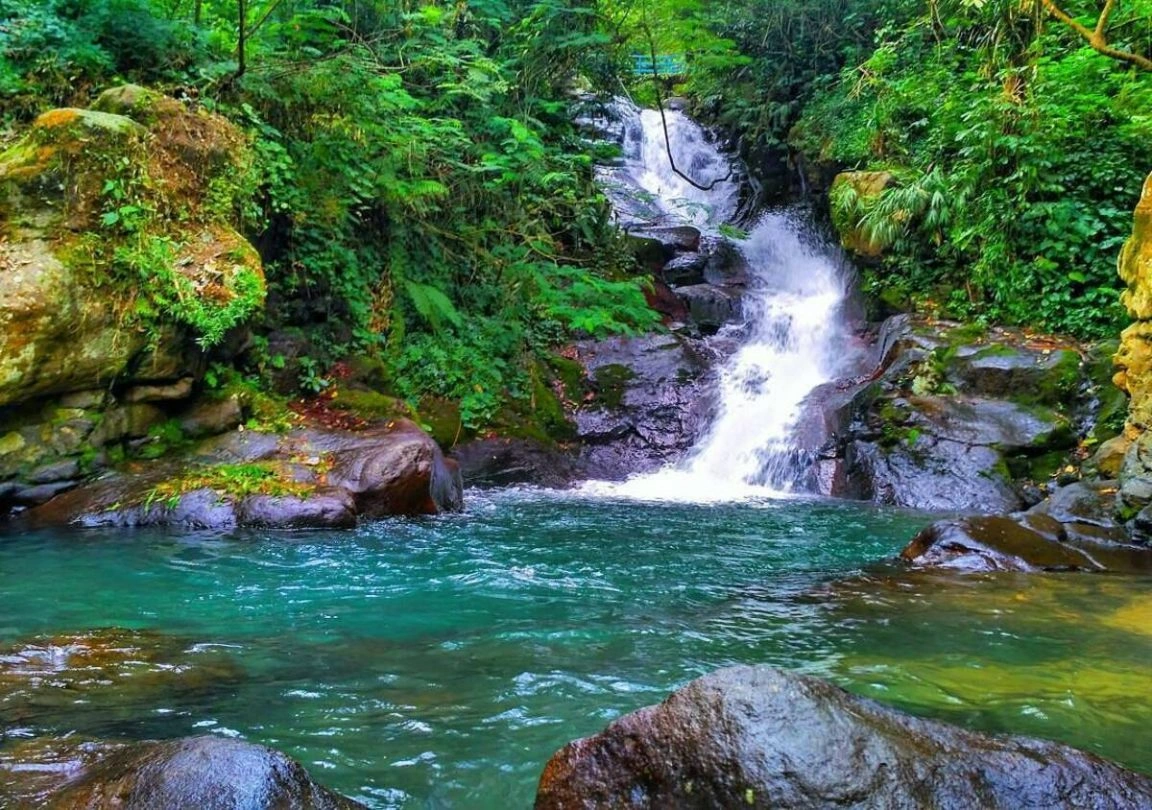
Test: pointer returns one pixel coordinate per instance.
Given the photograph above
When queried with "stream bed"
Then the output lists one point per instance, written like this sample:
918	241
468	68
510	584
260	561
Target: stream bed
440	662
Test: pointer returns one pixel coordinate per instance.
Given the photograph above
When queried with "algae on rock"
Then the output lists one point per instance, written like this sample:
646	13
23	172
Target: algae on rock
120	263
1134	359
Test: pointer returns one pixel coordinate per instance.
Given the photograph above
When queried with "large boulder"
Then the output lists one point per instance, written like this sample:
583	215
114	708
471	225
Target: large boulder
96	203
196	773
649	406
1134	359
118	266
507	461
305	478
762	737
953	418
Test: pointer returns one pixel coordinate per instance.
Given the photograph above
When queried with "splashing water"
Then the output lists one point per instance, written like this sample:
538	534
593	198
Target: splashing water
646	190
794	334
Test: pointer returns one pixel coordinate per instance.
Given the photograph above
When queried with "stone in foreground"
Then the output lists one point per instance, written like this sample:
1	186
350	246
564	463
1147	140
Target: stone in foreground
197	773
763	738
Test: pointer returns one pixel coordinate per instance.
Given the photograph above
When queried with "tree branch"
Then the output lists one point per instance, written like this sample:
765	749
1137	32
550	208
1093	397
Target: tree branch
1096	39
664	122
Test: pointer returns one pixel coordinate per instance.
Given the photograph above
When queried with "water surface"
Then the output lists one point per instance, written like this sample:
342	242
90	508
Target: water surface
439	662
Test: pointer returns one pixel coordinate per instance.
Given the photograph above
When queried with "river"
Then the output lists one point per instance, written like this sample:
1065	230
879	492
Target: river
440	662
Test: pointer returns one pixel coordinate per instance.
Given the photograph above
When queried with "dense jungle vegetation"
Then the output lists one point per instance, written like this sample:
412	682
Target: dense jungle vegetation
420	194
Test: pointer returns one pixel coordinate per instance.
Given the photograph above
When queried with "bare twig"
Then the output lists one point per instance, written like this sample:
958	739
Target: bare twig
664	122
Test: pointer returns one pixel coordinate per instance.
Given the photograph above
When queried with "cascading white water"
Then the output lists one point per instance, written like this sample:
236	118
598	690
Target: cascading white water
794	336
646	190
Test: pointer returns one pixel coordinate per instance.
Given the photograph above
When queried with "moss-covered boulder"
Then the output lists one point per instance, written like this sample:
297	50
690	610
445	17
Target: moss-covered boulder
117	249
119	266
1134	359
303	478
954	418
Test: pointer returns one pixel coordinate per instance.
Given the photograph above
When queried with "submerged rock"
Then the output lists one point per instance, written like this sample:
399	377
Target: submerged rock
196	773
1071	531
50	681
762	737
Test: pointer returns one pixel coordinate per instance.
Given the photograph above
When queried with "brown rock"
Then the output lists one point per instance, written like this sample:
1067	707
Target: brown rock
992	543
757	737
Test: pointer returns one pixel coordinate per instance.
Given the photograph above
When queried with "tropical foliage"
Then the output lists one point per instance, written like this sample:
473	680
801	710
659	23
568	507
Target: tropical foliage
420	192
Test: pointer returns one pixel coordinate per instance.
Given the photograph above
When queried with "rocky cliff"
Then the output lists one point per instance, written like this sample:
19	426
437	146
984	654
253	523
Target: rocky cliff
1134	360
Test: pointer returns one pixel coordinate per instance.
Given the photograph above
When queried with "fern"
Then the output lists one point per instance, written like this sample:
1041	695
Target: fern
433	305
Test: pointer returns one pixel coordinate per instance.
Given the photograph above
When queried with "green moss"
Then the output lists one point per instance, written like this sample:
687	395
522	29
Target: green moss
611	383
164	438
1110	417
11	443
571	375
541	418
370	371
999	471
441	419
1099	364
132	100
995	350
262	410
228	481
893	423
372	405
1063	380
1036	468
967	333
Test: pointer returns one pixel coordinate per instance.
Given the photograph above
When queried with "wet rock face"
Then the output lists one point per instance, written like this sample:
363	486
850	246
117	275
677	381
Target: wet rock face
948	419
762	737
501	462
1075	529
307	478
651	403
196	773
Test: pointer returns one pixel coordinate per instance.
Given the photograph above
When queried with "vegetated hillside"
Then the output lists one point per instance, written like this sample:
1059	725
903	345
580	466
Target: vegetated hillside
420	196
1014	138
416	187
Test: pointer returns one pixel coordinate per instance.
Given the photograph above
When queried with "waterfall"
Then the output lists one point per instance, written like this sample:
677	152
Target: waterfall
793	337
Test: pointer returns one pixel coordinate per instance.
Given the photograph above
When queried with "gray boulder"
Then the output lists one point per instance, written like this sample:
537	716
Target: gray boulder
758	737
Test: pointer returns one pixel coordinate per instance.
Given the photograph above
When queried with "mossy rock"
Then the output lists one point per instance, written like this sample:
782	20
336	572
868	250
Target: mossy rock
571	376
542	418
52	179
119	251
442	420
371	406
1039	468
611	383
134	101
